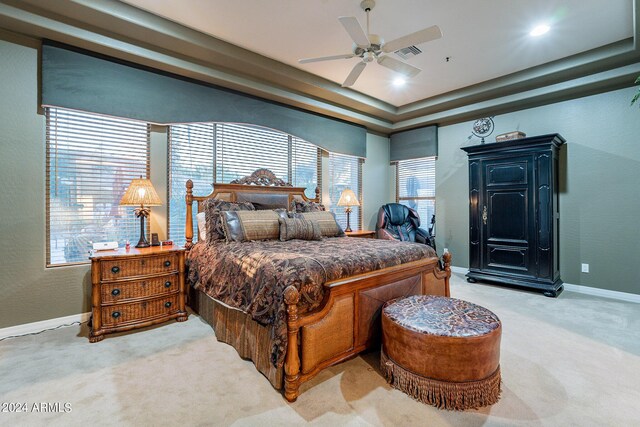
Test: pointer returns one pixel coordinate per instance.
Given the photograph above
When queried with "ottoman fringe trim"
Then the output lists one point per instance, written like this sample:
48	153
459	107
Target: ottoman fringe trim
442	394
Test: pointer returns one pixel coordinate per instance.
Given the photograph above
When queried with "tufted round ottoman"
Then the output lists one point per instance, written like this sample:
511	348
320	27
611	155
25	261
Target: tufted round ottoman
442	351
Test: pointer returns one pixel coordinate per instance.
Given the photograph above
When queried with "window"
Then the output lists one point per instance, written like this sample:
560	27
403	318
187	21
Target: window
416	186
221	152
345	172
91	160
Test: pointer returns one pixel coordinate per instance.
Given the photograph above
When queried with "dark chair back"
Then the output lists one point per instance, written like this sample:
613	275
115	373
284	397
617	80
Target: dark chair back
400	222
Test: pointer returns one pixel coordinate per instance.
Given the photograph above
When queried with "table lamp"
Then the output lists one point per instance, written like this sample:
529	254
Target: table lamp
141	193
348	199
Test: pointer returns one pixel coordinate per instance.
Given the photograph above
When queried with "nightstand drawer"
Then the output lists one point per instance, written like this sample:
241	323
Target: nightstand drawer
138	266
115	292
124	313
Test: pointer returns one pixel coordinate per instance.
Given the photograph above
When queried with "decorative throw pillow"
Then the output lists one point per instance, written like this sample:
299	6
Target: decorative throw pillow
212	209
244	226
329	227
300	206
202	226
298	228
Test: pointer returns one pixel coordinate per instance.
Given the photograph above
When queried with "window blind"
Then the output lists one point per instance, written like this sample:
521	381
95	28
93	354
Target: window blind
192	154
241	149
416	186
91	160
345	172
221	152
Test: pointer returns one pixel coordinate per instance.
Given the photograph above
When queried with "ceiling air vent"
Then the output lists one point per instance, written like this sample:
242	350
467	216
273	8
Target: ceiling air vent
408	52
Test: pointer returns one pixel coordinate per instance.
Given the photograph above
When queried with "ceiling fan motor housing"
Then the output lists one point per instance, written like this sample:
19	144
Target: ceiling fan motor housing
367	5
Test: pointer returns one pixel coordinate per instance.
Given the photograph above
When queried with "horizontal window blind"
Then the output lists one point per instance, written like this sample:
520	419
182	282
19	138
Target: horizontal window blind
306	166
222	152
191	156
416	186
91	160
345	172
241	149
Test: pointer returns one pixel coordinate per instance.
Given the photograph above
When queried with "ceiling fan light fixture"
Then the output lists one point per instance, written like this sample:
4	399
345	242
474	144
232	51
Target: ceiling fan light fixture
539	30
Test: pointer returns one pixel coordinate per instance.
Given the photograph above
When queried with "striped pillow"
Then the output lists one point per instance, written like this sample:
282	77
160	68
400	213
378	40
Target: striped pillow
329	227
297	228
245	226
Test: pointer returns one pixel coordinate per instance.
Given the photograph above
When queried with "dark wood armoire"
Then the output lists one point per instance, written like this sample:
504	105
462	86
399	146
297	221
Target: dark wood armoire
514	213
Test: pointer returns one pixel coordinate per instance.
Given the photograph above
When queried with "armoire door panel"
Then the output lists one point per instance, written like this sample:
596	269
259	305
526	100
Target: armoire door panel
507	173
508	257
508	215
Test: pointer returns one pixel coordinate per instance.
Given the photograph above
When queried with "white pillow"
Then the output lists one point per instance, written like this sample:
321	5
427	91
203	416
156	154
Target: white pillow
202	227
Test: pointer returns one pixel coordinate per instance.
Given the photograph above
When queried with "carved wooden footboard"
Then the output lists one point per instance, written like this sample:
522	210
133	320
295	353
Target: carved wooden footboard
348	322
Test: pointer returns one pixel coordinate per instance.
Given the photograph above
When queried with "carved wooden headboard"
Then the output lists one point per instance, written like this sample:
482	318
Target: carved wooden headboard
262	186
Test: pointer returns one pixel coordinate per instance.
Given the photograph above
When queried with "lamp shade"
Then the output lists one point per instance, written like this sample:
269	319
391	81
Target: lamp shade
140	193
348	198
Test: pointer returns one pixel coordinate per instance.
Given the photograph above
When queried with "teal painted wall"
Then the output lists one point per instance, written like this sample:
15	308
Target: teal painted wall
28	290
375	179
600	186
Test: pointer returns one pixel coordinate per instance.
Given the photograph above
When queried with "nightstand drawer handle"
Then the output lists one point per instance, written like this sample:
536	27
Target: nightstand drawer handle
115	269
115	314
167	263
167	304
115	292
167	284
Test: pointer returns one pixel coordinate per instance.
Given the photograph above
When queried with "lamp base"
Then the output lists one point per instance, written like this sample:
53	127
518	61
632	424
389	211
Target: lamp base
348	211
142	243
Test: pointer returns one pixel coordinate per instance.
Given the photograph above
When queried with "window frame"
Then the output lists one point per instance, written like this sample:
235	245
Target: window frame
48	110
399	198
360	208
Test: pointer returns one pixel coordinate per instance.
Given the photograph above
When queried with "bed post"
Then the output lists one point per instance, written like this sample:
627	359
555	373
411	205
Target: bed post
317	200
446	258
188	232
292	358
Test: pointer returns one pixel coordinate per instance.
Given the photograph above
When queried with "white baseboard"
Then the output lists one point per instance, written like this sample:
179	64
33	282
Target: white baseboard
604	293
30	328
587	290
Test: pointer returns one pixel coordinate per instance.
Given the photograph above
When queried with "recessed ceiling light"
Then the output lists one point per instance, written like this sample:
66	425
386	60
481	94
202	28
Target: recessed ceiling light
539	30
399	81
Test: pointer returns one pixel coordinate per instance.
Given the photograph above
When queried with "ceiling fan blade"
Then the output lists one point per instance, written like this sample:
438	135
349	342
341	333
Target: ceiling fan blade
326	58
355	30
398	66
354	74
422	36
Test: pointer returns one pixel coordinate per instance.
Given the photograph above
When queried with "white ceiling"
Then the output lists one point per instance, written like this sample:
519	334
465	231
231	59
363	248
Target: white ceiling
483	39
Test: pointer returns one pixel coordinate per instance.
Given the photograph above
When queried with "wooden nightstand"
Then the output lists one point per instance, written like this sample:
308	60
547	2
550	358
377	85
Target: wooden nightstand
136	288
362	233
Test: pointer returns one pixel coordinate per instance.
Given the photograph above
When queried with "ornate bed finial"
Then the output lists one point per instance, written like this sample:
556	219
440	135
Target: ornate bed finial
262	177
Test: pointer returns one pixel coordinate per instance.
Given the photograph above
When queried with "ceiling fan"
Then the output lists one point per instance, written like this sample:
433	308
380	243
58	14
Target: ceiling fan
371	47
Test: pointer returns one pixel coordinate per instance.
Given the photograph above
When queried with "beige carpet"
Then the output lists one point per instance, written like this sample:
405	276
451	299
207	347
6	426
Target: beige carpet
571	361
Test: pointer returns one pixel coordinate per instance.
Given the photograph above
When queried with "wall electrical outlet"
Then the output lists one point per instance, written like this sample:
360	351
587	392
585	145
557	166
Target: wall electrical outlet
585	268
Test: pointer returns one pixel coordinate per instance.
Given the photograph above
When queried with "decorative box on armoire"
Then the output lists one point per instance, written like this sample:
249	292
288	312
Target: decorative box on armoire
514	213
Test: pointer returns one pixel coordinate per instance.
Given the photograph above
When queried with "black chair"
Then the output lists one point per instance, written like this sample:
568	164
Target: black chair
400	222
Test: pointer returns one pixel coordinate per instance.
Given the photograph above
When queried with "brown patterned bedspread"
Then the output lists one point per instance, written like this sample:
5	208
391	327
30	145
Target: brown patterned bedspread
252	276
